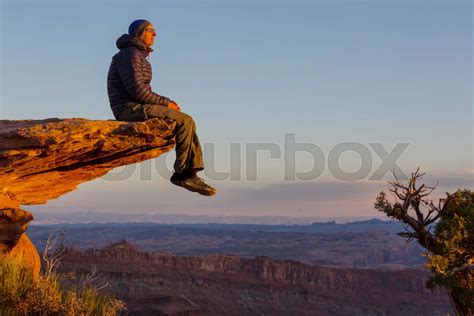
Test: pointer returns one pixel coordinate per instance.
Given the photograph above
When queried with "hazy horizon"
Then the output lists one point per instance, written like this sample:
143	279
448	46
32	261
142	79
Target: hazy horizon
72	216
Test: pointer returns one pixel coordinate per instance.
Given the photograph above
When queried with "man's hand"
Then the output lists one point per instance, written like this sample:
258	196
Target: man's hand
173	105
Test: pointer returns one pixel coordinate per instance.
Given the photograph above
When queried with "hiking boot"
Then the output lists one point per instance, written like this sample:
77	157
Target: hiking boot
195	184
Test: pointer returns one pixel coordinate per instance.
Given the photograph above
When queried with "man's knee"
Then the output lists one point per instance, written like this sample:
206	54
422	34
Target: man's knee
182	119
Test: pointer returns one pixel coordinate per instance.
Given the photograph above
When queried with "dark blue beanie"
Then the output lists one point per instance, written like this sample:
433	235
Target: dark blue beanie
137	27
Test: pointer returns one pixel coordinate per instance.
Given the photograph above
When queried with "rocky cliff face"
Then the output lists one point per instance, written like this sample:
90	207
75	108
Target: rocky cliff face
161	283
44	159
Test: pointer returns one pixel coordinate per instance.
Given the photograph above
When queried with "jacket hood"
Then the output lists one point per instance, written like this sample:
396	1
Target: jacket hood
127	40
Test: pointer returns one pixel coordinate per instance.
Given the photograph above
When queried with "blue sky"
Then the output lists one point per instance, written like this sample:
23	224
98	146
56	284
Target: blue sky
383	72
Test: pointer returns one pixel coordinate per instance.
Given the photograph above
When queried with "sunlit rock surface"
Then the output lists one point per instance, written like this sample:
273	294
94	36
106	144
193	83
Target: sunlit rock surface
44	159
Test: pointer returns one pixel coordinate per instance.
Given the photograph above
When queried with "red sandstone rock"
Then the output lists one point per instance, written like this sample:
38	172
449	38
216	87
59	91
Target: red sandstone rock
44	159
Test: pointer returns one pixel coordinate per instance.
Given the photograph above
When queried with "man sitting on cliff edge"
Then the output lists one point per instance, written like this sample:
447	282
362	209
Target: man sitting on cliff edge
131	99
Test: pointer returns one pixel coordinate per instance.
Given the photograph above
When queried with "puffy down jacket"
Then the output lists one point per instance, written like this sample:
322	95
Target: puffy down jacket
129	76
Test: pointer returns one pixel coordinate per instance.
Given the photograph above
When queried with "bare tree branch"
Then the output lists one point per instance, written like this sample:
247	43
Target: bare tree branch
53	259
87	280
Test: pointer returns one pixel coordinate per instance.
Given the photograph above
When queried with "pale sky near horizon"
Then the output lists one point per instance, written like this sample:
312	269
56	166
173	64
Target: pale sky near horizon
329	72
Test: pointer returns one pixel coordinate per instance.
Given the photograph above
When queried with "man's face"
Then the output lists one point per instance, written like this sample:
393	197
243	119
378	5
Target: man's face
148	35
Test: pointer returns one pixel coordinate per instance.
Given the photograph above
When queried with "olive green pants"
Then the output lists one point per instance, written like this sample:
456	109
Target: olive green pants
188	149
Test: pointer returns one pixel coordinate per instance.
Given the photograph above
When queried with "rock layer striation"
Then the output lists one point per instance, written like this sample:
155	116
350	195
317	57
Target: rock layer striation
41	160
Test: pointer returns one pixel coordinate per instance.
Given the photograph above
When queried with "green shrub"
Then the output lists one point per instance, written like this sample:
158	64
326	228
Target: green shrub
21	295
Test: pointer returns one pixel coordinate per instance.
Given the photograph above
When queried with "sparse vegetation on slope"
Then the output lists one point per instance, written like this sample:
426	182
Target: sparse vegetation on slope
21	294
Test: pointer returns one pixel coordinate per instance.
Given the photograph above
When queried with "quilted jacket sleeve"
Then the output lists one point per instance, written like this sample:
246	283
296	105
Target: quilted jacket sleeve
129	67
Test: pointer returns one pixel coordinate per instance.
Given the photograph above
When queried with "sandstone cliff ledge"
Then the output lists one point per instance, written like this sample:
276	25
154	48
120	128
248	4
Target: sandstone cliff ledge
44	159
